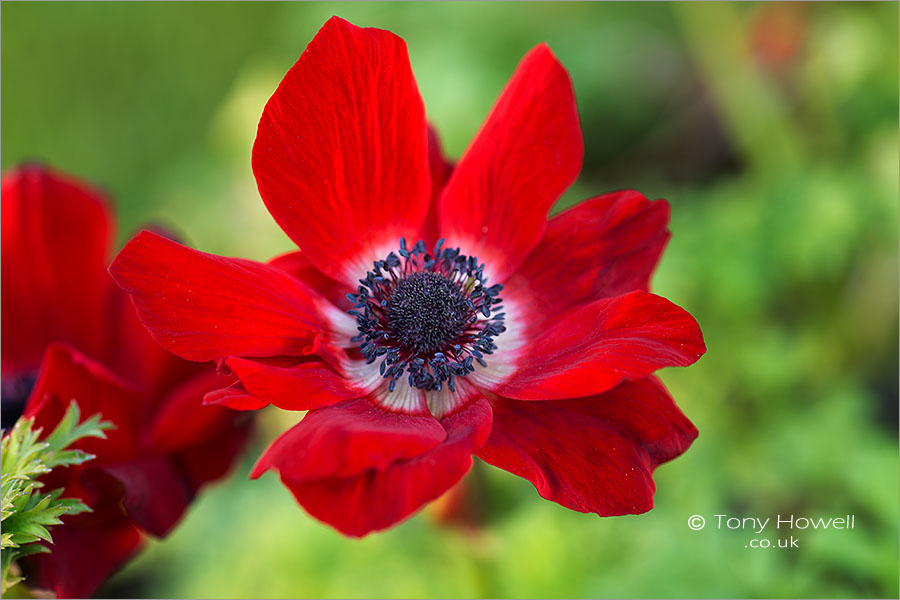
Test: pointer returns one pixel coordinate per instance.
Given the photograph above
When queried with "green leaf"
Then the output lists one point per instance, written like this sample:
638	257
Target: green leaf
27	512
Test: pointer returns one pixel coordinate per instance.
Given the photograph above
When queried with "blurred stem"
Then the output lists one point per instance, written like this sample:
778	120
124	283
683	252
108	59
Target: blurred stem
750	108
819	99
478	537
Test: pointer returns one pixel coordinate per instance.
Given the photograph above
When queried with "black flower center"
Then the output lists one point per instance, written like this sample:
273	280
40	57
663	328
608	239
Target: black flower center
15	391
428	316
426	311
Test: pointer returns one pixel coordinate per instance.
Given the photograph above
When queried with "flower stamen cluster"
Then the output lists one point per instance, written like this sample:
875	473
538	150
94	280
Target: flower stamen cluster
429	315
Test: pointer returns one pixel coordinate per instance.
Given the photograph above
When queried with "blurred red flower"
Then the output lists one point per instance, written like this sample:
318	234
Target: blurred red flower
70	333
778	35
553	382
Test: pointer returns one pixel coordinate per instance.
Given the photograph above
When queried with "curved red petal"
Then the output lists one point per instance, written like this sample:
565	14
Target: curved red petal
234	397
55	246
340	155
133	354
86	550
181	419
203	307
603	247
297	264
347	439
201	441
440	168
593	454
379	498
213	456
528	152
593	348
68	375
155	495
300	387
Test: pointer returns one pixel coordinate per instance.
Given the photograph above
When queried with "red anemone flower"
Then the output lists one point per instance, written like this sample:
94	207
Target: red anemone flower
70	333
553	382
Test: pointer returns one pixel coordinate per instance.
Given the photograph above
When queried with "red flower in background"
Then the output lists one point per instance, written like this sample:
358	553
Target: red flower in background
552	382
70	333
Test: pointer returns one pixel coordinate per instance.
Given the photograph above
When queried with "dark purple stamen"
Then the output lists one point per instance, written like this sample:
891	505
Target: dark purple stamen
15	391
422	314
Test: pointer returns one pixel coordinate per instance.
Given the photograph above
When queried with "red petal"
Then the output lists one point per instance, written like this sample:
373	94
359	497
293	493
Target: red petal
201	441
86	550
156	489
55	244
440	169
340	156
203	307
134	355
593	348
181	420
213	456
155	495
301	387
234	397
66	375
527	153
297	264
347	439
604	247
379	498
593	454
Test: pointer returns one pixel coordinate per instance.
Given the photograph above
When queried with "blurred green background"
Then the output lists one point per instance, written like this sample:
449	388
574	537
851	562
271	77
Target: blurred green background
771	128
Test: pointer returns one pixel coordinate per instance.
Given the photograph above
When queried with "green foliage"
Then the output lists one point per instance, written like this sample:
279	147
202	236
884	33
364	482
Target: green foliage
27	511
783	185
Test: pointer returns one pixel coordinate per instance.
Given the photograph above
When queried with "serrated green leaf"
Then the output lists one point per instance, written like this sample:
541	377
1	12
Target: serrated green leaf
34	549
69	431
27	512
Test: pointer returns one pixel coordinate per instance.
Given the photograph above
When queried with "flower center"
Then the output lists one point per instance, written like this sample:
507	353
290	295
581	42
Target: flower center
428	316
15	391
426	311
